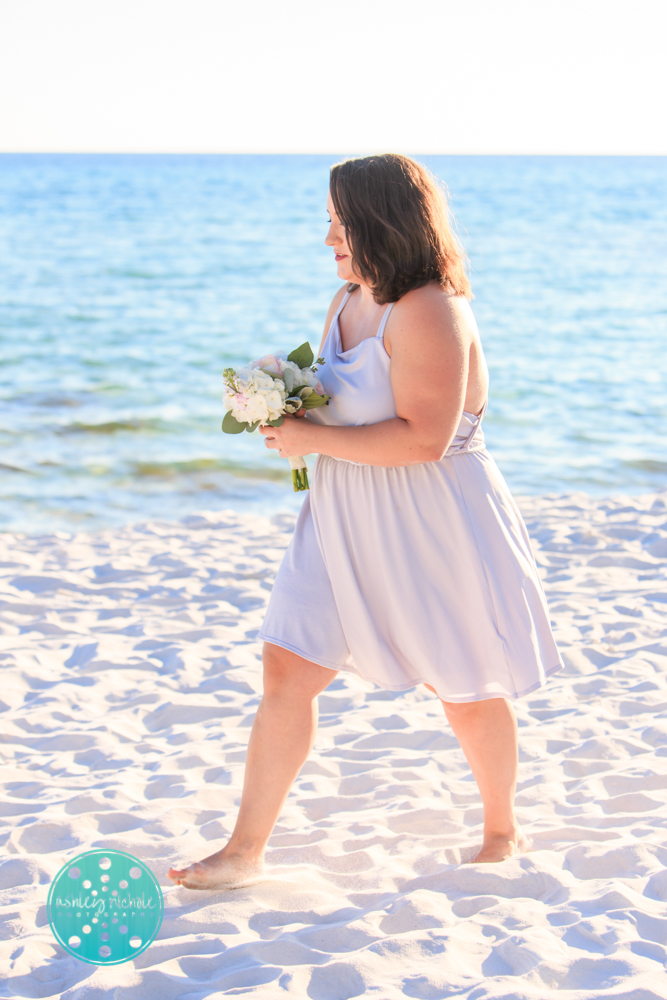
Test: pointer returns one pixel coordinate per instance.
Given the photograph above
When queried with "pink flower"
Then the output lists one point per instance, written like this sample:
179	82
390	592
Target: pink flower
269	363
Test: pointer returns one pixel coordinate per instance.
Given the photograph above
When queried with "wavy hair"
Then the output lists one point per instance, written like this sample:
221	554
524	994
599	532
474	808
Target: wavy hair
397	226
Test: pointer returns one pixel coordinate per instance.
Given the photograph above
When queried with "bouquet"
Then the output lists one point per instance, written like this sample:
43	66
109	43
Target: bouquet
260	393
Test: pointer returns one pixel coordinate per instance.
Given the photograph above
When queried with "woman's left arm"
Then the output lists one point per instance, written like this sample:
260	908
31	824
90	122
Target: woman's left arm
429	346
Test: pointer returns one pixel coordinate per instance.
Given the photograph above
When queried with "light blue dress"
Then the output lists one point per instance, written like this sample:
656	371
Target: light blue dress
415	574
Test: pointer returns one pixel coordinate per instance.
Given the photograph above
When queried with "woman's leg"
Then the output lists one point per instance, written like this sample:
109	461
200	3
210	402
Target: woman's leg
487	732
282	737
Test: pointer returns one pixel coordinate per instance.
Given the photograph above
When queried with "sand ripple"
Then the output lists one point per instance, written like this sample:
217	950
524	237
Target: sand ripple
131	677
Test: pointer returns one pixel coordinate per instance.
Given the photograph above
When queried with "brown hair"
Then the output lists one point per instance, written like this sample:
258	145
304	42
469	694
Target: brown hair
397	225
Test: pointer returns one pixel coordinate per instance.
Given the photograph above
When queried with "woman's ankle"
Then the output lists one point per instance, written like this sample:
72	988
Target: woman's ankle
248	852
510	831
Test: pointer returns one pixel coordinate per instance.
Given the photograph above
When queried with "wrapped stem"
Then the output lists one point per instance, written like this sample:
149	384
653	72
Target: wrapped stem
299	473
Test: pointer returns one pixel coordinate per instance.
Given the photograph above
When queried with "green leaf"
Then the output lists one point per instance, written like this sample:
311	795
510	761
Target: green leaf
303	356
275	423
265	371
310	402
230	424
252	427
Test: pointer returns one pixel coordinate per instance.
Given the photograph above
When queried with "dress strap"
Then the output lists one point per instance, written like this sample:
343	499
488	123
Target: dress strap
342	304
383	321
480	416
475	426
334	318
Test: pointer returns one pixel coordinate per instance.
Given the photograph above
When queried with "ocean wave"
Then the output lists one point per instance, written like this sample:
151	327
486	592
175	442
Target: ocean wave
113	427
4	467
167	470
652	465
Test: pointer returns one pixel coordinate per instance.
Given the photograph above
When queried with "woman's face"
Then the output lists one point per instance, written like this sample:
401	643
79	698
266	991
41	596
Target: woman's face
336	238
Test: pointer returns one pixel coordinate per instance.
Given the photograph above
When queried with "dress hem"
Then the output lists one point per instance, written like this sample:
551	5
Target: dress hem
299	652
412	683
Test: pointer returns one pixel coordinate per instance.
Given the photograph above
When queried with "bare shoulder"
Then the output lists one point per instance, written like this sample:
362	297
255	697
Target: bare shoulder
335	302
433	311
433	305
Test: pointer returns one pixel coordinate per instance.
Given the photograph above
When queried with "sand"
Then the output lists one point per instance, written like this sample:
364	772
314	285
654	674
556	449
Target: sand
131	676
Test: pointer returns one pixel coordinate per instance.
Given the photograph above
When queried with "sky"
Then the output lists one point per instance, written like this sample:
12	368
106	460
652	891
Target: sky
357	76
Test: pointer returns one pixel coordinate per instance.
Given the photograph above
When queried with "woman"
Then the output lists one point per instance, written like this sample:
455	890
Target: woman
410	563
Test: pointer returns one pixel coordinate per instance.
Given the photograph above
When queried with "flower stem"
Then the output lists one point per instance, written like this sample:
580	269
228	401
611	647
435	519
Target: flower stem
300	480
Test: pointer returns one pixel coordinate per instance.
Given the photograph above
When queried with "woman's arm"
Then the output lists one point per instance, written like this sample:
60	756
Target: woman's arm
429	344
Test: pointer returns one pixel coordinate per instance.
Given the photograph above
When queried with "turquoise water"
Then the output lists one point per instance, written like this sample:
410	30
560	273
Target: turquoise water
129	282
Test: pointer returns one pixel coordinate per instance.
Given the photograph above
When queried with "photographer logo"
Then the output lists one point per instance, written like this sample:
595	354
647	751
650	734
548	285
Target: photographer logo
105	907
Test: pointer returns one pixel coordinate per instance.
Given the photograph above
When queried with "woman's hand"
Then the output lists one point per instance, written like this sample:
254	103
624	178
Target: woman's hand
291	438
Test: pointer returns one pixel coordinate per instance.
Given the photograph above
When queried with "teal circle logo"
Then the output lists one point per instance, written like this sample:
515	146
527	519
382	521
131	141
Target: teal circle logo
105	907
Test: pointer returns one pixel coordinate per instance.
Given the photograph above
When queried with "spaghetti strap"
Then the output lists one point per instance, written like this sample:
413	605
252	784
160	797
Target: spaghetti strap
334	318
340	307
383	321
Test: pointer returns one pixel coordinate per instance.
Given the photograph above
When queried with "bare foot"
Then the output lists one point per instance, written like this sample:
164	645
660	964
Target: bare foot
219	871
500	847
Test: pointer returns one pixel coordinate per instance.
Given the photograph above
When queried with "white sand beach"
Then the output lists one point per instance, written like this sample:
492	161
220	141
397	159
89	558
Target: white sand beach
131	673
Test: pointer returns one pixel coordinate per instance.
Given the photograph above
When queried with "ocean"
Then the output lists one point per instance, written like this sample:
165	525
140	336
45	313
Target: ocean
127	284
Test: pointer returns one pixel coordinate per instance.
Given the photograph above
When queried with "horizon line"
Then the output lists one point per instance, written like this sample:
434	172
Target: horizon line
301	152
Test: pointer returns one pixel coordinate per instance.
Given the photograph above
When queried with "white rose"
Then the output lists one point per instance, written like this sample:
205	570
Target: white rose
309	378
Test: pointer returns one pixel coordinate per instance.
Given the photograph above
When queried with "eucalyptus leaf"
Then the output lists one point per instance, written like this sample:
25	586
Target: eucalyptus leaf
231	425
303	356
310	402
265	371
252	427
275	423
